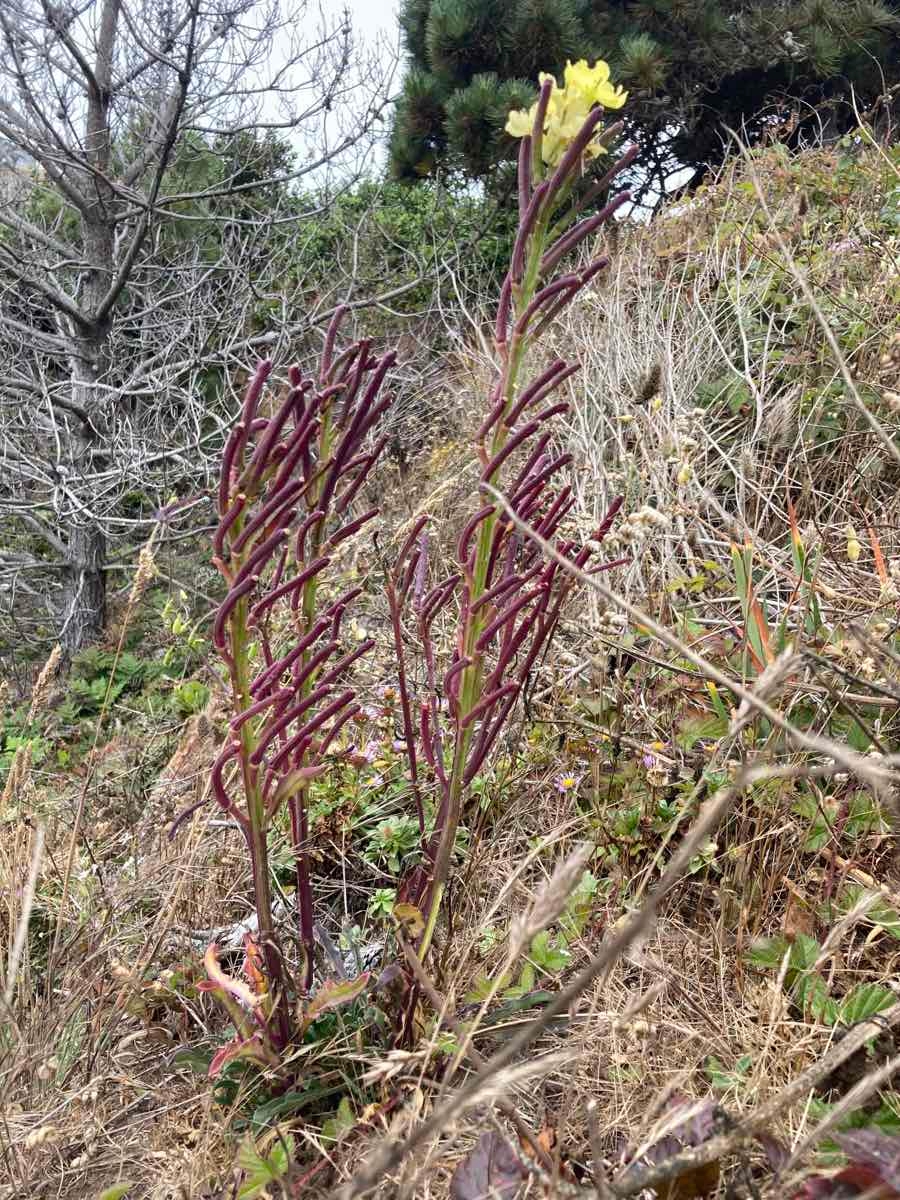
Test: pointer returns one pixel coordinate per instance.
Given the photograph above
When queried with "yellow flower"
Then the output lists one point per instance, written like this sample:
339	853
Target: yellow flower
568	108
520	121
592	84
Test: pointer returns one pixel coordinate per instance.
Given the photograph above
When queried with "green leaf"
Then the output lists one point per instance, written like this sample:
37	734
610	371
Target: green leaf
262	1170
805	952
197	1060
342	1122
698	729
864	1001
116	1192
768	953
548	956
264	1117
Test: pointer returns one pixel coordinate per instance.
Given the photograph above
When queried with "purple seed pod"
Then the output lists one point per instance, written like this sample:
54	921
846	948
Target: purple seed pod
328	712
280	501
230	751
226	523
259	460
451	676
254	391
495	412
300	543
609	566
533	485
254	710
524	175
566	297
439	598
552	516
230	460
518	438
606	524
347	661
602	184
537	129
575	236
544	383
260	556
565	287
421	575
499	590
526	225
412	537
352	527
330	337
273	673
462	548
536	460
293	749
278	573
486	703
337	727
504	306
577	146
292	588
507	615
368	461
304	671
237	593
425	735
337	610
297	451
278	727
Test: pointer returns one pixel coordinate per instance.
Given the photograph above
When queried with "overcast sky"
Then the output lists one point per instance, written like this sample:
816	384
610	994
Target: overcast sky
370	17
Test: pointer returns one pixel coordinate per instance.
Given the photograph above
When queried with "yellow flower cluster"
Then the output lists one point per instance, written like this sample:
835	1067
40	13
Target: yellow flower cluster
584	88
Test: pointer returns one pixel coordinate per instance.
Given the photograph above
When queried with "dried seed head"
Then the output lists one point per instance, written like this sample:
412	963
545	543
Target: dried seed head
146	569
19	775
550	900
44	682
766	686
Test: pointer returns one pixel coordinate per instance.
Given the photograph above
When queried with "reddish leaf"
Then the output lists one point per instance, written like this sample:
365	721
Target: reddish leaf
334	995
874	1149
493	1171
847	1184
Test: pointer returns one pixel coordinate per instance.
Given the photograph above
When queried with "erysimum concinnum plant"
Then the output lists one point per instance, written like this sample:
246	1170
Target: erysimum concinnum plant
287	484
508	597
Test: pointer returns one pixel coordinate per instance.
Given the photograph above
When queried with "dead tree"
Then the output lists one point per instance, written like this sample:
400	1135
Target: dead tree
141	191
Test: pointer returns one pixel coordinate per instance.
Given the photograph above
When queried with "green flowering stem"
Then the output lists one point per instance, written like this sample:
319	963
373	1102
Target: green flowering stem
509	605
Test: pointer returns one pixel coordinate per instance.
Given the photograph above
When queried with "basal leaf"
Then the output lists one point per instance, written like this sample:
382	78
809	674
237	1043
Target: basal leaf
864	1001
335	995
493	1171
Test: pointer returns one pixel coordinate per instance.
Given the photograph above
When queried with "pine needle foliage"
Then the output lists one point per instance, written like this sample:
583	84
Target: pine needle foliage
692	68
